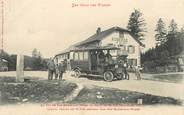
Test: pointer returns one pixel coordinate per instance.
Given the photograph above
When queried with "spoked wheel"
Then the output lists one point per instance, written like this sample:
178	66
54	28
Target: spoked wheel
108	76
120	76
77	73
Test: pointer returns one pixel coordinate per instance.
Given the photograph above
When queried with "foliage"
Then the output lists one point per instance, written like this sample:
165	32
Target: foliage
165	53
30	63
36	53
33	63
161	33
137	24
173	29
12	62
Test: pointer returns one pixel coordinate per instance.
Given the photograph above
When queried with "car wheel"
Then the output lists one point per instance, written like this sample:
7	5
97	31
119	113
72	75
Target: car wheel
77	73
108	76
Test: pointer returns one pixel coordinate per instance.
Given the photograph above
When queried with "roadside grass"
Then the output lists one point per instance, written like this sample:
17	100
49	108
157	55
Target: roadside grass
101	95
174	78
41	91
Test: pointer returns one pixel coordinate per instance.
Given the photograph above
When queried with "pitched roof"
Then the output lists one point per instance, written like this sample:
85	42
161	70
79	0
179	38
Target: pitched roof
103	34
98	37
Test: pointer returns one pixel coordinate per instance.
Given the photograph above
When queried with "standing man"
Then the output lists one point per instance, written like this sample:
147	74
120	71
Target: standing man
65	65
137	72
108	58
61	69
51	68
125	65
93	60
56	71
100	57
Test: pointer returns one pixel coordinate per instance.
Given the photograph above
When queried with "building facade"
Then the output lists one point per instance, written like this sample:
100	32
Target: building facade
114	36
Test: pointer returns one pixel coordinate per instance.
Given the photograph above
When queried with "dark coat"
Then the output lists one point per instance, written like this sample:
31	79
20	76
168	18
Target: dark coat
61	67
51	65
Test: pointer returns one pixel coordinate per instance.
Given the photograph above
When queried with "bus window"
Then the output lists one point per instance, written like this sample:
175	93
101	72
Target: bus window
80	55
76	56
71	55
85	55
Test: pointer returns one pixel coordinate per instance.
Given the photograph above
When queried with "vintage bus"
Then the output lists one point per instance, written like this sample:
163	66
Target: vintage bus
86	60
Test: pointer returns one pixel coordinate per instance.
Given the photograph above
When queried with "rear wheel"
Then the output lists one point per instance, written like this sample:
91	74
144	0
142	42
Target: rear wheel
77	73
108	76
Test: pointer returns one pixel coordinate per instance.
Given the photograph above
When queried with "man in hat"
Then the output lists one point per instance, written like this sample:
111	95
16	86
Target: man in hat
125	65
61	69
51	69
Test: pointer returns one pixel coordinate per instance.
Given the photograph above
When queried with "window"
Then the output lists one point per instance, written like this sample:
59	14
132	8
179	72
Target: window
132	62
81	56
85	55
123	47
121	35
71	55
131	49
76	56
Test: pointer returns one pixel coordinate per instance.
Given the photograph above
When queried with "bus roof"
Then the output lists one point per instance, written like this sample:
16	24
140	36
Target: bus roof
72	49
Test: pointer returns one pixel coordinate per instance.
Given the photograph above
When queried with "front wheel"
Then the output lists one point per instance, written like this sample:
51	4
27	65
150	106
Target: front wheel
108	76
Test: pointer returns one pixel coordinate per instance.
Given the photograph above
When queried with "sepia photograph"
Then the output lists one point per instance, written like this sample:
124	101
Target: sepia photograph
91	57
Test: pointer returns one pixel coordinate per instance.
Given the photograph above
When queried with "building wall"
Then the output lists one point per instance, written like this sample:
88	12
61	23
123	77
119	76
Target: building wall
124	41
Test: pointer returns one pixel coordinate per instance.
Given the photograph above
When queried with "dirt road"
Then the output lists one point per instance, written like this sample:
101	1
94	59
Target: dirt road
166	89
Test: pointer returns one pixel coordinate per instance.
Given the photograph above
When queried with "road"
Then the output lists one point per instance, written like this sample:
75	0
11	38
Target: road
166	89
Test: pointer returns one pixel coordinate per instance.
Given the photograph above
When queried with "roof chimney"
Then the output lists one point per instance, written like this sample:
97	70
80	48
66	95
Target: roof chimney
98	30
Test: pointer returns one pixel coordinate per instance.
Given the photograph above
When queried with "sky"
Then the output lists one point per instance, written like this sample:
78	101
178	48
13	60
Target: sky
53	25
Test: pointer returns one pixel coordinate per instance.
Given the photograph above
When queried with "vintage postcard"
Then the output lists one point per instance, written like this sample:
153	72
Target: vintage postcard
81	57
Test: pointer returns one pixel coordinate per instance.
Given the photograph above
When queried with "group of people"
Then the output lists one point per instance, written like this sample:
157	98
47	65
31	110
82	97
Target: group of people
125	65
56	69
136	70
100	59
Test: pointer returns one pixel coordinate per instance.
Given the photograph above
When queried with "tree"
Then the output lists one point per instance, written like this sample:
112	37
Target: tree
161	33
173	28
172	38
36	53
37	60
136	24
